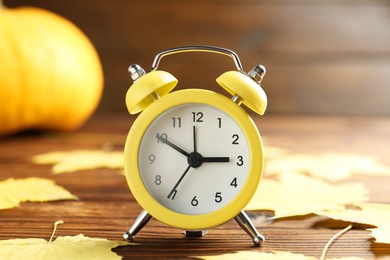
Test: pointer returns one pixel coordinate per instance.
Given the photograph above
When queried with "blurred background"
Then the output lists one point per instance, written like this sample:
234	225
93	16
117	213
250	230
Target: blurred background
322	57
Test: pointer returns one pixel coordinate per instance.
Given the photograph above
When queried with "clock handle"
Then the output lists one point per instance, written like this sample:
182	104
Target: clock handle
139	223
197	48
246	224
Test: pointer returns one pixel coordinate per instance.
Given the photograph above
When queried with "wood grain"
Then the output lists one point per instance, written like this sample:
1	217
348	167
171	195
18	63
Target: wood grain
323	57
106	207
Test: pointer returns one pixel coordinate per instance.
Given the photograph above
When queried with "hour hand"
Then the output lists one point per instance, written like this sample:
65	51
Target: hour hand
164	140
215	159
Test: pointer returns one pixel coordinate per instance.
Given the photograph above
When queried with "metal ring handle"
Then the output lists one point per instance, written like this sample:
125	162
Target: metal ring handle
197	48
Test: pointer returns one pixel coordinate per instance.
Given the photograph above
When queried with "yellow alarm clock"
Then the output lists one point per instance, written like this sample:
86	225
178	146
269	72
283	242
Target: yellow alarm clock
194	157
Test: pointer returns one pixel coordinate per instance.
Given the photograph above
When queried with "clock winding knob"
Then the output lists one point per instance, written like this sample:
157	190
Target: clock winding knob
136	71
257	73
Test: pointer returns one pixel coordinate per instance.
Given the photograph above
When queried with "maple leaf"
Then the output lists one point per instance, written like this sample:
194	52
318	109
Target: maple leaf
80	160
275	255
376	214
67	247
328	166
295	194
15	191
247	255
280	255
273	152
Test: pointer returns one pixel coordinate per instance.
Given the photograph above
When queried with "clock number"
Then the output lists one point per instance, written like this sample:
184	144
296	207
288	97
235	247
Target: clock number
235	139
234	182
240	161
162	136
176	121
197	117
218	197
157	180
194	202
151	158
219	122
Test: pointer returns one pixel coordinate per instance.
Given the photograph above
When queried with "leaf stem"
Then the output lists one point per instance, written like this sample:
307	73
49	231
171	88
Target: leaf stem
58	222
332	240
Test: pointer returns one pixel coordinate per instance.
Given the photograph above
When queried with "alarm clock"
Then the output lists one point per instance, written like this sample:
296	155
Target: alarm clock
194	157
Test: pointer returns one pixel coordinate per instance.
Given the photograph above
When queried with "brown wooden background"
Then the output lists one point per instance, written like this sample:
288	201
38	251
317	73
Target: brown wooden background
323	57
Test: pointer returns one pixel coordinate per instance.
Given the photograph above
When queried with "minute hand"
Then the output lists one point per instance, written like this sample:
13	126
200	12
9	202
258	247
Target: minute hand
215	159
165	141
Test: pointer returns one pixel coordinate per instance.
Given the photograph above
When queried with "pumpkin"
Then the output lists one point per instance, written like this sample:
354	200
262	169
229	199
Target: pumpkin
51	77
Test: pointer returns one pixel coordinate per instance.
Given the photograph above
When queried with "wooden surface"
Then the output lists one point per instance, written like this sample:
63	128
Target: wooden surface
323	56
106	207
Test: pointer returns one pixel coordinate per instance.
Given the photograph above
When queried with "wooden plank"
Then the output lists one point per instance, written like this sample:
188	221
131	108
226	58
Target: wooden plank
106	207
323	57
285	27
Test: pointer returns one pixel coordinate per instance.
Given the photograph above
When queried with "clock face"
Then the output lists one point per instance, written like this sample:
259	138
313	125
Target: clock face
194	159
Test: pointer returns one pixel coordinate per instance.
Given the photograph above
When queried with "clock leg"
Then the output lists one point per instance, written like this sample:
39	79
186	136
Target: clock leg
246	224
139	223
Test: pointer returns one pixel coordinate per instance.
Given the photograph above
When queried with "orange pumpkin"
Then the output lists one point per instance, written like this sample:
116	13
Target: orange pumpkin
50	74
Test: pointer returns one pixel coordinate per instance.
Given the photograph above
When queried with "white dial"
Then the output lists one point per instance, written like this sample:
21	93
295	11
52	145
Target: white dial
194	159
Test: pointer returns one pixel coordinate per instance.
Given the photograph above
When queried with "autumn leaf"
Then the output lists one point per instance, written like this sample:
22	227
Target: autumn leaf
275	255
67	247
327	166
15	191
295	194
273	152
80	160
376	214
280	255
247	255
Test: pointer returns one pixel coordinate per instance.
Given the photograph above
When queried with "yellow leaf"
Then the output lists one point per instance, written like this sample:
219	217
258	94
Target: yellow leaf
296	194
80	160
328	166
68	247
275	255
273	152
15	191
247	255
376	214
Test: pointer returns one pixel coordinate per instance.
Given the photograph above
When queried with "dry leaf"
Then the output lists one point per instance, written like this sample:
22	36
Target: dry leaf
68	247
280	255
376	214
275	255
247	255
273	152
15	191
328	166
295	194
80	160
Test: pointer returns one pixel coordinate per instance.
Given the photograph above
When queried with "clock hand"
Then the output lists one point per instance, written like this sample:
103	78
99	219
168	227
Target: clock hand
173	191
194	137
165	141
215	159
207	159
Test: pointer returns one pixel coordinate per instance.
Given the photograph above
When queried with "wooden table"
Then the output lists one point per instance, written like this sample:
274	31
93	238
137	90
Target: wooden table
106	207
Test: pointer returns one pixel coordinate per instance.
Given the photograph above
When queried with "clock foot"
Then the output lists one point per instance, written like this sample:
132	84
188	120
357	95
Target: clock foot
246	224
195	233
139	223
